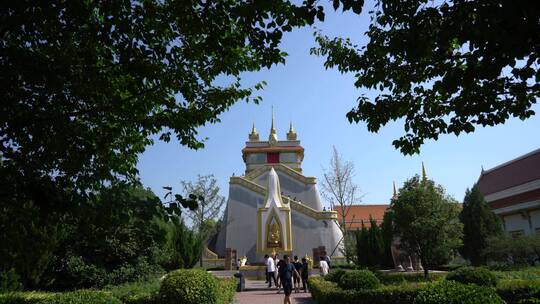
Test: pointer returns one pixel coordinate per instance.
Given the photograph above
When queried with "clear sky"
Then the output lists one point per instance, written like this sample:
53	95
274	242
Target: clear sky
316	101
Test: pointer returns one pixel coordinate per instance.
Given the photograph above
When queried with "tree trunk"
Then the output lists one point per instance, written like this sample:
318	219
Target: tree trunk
426	270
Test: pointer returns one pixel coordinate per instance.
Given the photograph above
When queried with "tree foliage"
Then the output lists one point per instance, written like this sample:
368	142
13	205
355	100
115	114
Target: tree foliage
85	84
442	67
210	204
479	224
519	251
123	234
426	220
339	188
370	246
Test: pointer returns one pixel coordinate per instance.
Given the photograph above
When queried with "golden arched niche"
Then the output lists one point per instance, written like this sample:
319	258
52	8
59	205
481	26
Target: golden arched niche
274	231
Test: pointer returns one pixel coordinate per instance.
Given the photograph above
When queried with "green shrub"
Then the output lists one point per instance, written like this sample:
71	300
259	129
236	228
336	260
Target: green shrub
326	292
189	286
358	279
394	278
137	292
451	292
519	291
475	275
345	266
10	281
334	275
30	297
522	273
81	297
226	290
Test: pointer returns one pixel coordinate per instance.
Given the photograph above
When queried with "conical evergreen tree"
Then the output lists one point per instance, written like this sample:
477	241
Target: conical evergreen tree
479	224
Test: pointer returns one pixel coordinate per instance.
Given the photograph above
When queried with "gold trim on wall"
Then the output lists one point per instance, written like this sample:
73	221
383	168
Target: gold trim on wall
283	168
302	208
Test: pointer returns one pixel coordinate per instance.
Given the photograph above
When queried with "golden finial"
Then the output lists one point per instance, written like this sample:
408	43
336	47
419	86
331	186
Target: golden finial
272	138
254	135
424	175
291	135
272	129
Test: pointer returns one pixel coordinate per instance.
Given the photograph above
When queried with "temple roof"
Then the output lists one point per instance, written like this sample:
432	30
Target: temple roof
357	214
518	171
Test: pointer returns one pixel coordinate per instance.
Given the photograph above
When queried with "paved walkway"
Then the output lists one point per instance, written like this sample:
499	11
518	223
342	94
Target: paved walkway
257	292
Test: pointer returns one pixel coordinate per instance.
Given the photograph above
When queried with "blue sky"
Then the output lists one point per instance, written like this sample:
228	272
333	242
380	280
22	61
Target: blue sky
316	101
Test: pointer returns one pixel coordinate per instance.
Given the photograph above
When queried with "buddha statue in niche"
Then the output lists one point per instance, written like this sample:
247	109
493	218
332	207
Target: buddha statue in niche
274	235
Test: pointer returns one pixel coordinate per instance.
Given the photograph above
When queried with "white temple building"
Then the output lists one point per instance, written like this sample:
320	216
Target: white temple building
274	207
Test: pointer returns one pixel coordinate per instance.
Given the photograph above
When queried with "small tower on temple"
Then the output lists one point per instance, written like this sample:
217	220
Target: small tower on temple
253	135
291	135
260	153
395	192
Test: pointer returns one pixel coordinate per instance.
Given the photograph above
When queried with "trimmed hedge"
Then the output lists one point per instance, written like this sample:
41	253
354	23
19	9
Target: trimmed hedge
519	291
334	275
137	292
82	297
405	277
451	292
358	279
189	286
473	275
226	290
73	297
195	286
325	292
29	297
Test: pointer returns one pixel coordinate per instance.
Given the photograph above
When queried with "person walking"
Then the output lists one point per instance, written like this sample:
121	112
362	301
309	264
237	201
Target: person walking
271	268
304	274
286	275
298	267
280	265
323	267
266	268
327	259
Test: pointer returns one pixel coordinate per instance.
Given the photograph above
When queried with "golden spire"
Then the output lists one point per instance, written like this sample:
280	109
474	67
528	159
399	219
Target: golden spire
424	175
254	135
291	135
272	130
395	192
272	138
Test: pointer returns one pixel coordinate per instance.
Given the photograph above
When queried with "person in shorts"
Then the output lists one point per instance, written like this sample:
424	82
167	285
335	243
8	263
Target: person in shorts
305	274
298	266
286	276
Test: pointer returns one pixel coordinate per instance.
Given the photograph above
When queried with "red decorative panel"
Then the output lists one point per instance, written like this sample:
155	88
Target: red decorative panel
272	157
515	199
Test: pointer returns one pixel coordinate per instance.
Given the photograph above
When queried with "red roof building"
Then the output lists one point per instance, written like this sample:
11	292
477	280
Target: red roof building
358	214
512	190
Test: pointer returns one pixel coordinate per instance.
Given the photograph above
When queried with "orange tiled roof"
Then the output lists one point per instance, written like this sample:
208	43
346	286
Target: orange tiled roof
357	214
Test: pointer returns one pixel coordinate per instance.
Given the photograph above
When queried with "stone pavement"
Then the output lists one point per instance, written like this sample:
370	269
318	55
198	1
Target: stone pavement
257	292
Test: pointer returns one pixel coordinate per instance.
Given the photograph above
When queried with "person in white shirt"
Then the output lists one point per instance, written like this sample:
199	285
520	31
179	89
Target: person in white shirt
323	267
271	268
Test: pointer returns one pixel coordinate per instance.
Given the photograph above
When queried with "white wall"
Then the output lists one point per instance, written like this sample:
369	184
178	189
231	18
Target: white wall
515	222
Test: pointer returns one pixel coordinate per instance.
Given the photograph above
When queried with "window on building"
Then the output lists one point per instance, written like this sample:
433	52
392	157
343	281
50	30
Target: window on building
517	233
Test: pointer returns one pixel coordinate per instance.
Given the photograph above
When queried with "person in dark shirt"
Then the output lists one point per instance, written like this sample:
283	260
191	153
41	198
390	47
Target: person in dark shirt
280	265
304	273
286	275
297	266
